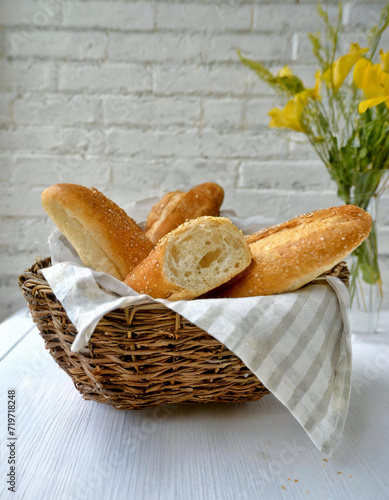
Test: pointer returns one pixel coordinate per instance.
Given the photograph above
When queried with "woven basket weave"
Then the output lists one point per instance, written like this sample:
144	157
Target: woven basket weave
142	356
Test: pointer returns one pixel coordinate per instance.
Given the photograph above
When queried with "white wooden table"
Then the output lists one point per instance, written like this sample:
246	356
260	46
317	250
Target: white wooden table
68	448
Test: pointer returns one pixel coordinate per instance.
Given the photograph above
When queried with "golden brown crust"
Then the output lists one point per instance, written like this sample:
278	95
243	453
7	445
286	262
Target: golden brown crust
162	207
104	236
177	207
289	255
148	277
185	250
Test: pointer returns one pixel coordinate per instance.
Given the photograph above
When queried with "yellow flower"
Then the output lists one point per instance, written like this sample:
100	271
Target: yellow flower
374	82
342	67
315	92
385	60
285	72
289	82
291	115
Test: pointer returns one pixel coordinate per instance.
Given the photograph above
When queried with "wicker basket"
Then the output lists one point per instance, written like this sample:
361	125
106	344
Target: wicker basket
142	356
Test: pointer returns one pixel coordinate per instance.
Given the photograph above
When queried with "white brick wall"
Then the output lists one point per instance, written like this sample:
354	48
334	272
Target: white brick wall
141	97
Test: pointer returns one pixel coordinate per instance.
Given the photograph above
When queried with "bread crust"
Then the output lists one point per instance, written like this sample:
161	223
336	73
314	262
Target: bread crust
162	208
151	276
104	236
290	255
177	207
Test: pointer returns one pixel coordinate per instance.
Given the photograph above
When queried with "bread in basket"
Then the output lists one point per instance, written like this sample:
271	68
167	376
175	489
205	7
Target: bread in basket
148	355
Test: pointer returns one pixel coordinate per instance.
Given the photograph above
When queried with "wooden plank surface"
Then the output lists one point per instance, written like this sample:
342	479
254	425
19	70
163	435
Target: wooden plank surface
13	329
70	449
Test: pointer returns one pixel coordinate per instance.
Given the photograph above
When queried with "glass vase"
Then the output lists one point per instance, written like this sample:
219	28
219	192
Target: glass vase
365	280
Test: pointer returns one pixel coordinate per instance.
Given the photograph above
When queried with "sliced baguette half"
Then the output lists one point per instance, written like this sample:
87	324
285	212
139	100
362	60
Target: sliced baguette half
196	257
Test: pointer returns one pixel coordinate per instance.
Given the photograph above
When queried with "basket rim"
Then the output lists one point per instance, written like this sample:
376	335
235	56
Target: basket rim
142	363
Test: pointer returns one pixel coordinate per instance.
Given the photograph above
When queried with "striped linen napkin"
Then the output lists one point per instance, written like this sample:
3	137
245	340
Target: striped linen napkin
297	344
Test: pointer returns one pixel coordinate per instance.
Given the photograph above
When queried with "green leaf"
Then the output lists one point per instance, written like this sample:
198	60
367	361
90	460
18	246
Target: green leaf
317	49
286	85
258	67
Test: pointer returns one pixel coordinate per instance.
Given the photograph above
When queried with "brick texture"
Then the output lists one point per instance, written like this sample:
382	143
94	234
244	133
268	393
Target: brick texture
142	97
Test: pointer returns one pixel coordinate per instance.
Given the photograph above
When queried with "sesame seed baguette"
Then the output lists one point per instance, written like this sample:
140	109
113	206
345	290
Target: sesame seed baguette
176	207
290	255
199	255
104	236
159	209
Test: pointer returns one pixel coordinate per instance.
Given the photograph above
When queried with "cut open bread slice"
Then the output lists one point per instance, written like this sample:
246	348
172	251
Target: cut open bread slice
198	256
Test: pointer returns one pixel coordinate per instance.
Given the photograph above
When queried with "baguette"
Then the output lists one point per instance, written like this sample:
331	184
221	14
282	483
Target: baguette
290	255
196	257
176	207
104	236
156	213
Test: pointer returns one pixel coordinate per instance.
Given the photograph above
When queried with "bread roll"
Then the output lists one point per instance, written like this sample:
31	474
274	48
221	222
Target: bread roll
177	207
196	257
168	200
289	255
104	236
